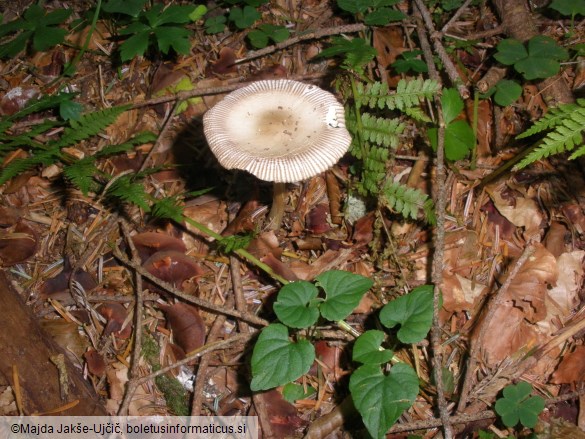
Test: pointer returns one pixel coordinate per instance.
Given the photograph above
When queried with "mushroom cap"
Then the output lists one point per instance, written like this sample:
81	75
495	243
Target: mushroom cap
278	130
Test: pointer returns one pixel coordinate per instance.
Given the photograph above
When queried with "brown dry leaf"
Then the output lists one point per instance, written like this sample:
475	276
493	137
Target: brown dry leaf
334	195
572	367
18	245
246	220
66	334
148	243
282	415
485	125
187	325
7	402
329	357
116	315
363	230
210	212
529	288
142	404
459	293
555	238
95	362
226	63
564	297
389	43
520	211
507	333
317	219
172	267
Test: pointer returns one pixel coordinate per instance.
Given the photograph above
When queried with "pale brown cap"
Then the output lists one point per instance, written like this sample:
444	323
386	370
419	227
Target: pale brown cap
278	130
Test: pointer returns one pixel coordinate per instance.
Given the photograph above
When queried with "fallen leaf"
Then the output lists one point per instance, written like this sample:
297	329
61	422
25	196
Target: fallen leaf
571	368
17	245
95	362
564	297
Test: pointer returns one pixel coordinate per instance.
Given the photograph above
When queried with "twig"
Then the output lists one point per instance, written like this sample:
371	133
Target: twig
135	363
489	313
163	131
307	35
455	16
210	347
250	318
440	50
439	246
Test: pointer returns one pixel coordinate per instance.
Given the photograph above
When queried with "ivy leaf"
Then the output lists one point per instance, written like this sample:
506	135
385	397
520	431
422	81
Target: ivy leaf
452	105
295	304
381	399
244	18
176	38
510	51
276	360
518	406
459	140
136	45
366	348
343	291
413	311
568	7
506	92
383	16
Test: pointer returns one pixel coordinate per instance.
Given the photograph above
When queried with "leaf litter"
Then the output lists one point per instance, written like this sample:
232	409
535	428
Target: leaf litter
487	229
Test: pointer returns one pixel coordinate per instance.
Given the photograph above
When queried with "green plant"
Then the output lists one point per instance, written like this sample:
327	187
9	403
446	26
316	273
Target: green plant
373	13
505	92
569	8
566	125
517	406
408	61
260	36
378	396
37	26
459	137
539	60
158	25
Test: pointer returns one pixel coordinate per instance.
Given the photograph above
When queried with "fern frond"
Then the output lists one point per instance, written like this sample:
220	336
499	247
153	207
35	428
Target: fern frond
417	113
407	201
138	139
81	173
374	170
43	103
567	134
408	94
126	189
18	166
89	125
9	142
381	131
554	117
168	207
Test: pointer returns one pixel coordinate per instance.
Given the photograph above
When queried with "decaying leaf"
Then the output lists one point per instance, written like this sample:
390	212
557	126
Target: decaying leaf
95	362
572	367
18	245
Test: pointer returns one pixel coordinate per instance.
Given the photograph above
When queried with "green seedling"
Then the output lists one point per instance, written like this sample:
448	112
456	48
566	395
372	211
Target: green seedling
409	61
373	13
157	25
505	92
37	27
540	59
245	17
260	36
517	406
569	8
459	137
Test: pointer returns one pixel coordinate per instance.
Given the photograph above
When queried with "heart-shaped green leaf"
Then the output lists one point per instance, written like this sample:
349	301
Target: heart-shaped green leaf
276	360
295	305
343	291
569	7
452	105
381	399
518	405
459	140
507	92
414	312
510	51
367	348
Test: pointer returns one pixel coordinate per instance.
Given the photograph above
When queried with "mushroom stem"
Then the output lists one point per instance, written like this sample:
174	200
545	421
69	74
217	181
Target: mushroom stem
277	210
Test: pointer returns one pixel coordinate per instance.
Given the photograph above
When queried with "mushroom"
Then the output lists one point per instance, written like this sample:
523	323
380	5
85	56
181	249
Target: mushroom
281	131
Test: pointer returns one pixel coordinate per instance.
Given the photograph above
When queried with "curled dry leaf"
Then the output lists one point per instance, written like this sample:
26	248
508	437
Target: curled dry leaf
187	325
148	243
18	245
173	267
459	293
520	211
317	219
572	367
95	362
529	288
329	357
564	297
363	230
554	240
115	315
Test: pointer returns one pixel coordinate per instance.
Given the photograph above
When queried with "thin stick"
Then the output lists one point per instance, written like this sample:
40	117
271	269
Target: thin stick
455	16
440	50
163	131
437	271
135	363
307	35
250	318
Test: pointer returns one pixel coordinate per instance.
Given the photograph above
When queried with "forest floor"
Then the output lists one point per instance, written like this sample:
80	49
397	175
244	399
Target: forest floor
82	252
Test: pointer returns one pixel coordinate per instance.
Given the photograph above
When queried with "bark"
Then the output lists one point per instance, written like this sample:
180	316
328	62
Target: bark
25	345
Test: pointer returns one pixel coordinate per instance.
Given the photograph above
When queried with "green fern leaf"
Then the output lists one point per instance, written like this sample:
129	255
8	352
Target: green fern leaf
168	207
381	131
407	201
19	166
81	173
408	94
138	139
43	103
567	134
554	117
127	190
89	125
